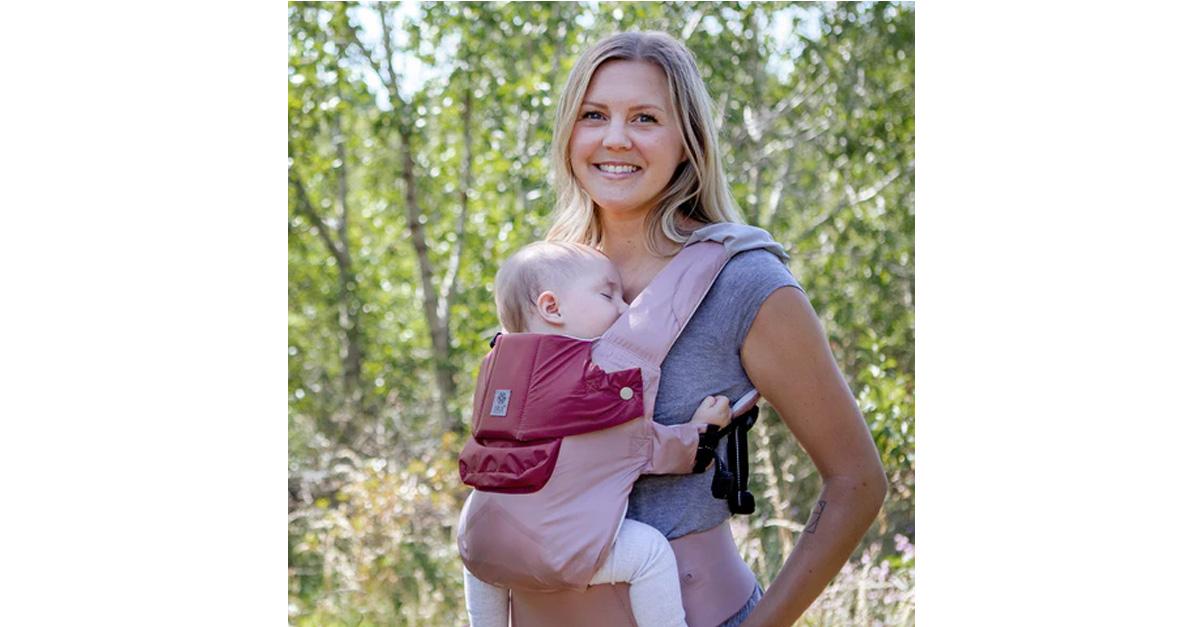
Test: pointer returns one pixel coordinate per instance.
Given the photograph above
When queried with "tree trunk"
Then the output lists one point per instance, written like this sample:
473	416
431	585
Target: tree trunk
435	302
348	305
347	301
438	329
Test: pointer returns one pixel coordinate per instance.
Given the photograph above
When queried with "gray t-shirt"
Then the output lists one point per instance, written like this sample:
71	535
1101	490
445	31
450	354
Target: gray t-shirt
704	361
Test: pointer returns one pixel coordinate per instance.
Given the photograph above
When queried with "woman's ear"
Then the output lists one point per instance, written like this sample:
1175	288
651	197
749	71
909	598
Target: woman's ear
547	308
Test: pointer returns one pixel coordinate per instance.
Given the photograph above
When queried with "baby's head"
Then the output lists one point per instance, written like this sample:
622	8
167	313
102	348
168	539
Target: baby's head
558	287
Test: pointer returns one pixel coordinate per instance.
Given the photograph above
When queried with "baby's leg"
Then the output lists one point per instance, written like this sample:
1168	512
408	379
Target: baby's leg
643	557
487	605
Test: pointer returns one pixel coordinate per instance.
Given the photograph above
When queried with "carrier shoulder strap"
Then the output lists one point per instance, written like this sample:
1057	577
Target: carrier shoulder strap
661	311
659	314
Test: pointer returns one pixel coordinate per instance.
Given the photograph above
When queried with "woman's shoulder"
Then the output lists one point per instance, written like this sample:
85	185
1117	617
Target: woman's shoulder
740	290
754	270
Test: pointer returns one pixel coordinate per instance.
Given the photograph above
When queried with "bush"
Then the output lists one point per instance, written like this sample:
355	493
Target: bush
380	549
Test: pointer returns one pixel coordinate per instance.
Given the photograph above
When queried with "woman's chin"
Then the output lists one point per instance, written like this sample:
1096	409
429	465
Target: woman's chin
620	207
617	202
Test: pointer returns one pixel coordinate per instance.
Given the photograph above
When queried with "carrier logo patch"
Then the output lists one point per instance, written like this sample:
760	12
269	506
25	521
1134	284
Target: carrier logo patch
500	402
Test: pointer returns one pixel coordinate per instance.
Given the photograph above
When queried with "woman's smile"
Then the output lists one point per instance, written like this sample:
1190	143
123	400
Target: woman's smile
617	171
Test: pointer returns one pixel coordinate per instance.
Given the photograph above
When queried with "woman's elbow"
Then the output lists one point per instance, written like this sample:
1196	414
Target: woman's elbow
877	486
872	486
866	488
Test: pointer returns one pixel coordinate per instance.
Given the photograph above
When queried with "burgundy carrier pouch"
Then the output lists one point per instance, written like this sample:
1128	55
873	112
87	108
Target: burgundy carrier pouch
508	466
534	389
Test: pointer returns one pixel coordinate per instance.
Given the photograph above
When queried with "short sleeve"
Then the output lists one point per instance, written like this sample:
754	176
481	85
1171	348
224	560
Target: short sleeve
745	283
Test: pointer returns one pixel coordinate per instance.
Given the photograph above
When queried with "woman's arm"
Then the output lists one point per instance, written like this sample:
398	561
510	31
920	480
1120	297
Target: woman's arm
787	357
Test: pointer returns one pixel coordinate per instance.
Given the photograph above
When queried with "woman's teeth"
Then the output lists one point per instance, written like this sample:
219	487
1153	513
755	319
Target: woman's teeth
617	169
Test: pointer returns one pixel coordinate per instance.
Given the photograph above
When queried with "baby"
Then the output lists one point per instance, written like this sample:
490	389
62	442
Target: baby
571	289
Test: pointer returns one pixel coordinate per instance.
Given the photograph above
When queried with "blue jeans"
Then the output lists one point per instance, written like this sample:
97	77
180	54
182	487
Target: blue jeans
736	619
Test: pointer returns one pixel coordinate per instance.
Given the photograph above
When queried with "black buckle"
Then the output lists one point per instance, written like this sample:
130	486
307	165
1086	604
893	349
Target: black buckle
706	451
731	482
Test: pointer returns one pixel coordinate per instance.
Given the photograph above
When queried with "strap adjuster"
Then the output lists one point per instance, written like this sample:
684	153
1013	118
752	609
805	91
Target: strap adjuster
706	451
730	482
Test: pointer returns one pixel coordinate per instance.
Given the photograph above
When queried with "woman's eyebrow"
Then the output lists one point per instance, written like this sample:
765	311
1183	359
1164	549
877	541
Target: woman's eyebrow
633	108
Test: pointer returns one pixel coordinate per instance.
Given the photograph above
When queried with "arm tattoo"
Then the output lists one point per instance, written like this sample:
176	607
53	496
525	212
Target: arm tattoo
815	518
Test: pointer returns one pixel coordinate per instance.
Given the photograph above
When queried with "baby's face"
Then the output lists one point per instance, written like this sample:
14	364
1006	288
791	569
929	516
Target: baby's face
592	302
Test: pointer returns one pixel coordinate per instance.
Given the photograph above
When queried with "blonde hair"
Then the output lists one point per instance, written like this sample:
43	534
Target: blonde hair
531	270
698	189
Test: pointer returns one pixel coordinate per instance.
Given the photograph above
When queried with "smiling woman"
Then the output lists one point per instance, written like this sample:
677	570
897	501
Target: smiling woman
637	169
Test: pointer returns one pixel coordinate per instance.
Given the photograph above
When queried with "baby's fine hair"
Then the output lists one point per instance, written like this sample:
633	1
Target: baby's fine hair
532	270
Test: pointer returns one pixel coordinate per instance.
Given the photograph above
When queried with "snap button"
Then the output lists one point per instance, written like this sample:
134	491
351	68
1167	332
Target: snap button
626	393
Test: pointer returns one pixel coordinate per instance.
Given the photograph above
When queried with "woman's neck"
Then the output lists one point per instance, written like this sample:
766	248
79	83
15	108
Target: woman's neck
623	240
623	237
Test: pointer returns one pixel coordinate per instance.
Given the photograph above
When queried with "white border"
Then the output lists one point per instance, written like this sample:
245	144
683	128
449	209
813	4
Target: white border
1056	341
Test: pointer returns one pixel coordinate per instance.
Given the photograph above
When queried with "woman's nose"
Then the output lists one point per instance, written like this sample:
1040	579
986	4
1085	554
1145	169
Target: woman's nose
615	137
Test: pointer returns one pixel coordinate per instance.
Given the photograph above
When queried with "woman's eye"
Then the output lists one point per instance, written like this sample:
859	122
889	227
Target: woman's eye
591	115
647	117
606	295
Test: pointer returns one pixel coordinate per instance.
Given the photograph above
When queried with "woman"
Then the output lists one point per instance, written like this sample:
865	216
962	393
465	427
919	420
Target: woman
636	170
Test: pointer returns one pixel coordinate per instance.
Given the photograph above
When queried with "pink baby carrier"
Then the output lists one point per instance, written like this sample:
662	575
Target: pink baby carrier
563	427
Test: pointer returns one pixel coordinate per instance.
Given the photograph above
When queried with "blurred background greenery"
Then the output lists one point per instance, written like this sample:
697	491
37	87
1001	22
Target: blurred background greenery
418	137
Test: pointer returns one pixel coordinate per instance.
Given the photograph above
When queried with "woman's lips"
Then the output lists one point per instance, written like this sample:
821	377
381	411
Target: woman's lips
616	175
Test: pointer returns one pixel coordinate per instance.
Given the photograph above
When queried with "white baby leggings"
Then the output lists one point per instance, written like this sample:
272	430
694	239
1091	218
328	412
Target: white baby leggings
641	556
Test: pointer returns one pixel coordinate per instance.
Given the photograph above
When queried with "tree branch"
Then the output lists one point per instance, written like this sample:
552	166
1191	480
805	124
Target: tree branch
446	295
692	23
339	143
389	81
767	220
305	206
763	121
853	197
392	83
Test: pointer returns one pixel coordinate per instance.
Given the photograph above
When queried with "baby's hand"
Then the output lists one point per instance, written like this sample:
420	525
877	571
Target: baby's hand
714	410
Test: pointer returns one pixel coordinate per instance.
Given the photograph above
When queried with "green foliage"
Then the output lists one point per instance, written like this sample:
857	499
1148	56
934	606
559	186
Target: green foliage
377	550
815	103
870	590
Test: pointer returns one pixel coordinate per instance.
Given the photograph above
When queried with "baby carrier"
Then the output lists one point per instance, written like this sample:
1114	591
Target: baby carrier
563	427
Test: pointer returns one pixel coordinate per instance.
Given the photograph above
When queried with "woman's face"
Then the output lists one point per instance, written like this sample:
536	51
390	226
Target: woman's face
625	145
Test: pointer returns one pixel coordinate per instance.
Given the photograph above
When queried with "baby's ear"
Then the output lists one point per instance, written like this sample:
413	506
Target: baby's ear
547	308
